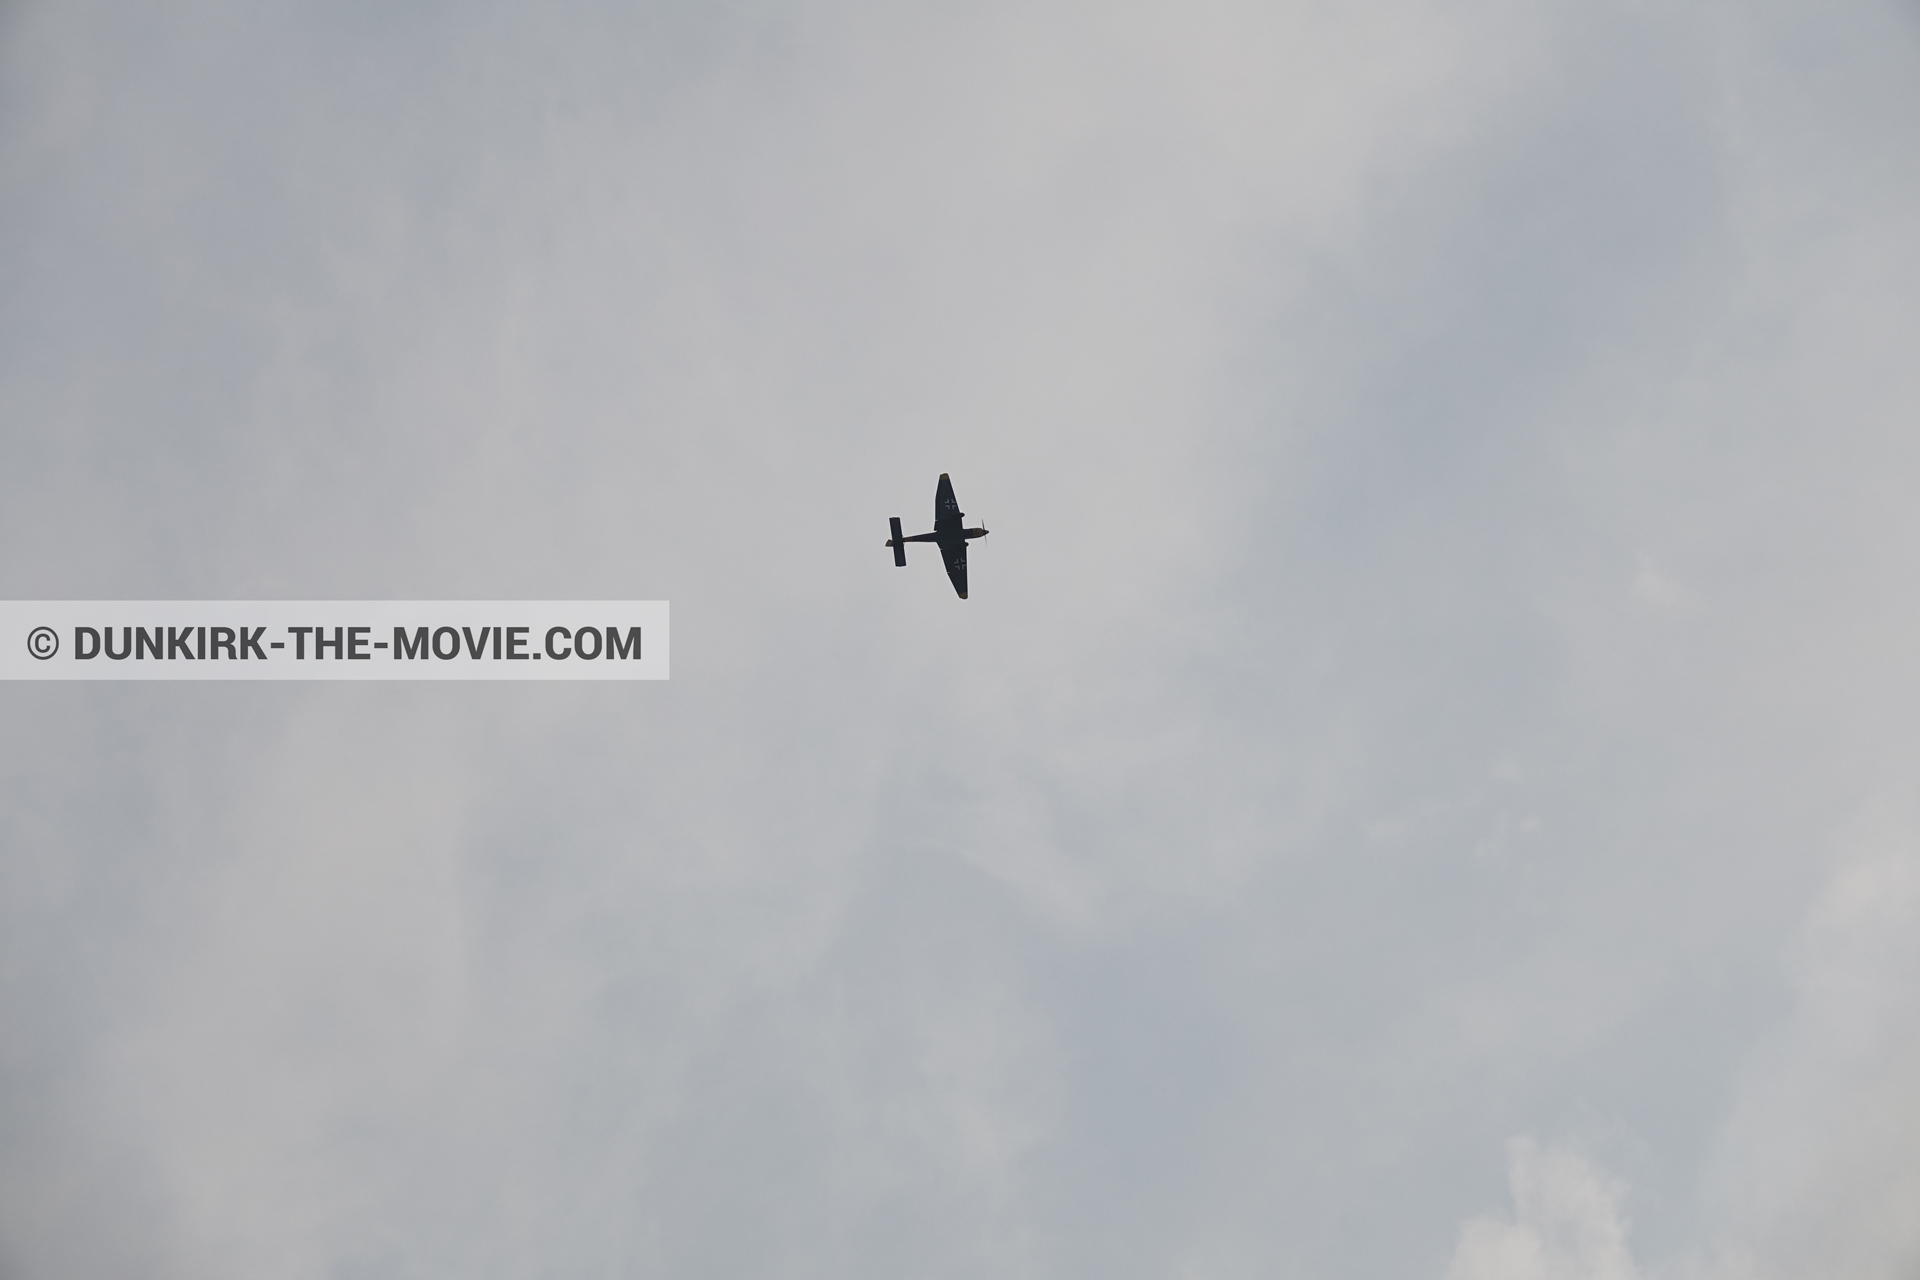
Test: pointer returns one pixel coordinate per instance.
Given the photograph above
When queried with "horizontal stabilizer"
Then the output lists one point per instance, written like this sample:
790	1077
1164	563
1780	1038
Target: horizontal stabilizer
899	544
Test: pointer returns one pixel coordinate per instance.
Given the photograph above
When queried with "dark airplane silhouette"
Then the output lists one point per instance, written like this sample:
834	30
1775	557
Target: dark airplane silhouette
947	531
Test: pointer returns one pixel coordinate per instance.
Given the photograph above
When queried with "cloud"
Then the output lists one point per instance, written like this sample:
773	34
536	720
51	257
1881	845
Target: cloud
1819	1168
1566	1224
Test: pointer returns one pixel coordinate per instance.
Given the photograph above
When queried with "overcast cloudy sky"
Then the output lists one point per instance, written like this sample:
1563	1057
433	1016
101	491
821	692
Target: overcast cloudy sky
1427	783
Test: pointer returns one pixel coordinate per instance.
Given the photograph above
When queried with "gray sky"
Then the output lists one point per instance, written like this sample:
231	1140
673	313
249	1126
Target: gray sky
1425	784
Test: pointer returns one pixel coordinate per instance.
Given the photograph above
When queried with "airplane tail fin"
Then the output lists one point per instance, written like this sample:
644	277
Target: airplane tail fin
898	543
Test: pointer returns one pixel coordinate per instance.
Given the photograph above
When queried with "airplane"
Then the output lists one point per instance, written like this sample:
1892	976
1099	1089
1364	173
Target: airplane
948	532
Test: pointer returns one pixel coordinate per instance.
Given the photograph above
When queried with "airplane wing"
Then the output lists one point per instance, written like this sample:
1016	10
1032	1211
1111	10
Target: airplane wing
945	505
956	559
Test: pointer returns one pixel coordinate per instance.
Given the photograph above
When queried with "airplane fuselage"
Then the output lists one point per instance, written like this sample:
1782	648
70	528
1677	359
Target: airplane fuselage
950	533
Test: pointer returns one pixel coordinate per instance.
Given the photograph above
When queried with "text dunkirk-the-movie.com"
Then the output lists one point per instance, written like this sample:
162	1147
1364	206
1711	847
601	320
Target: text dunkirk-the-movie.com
333	640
